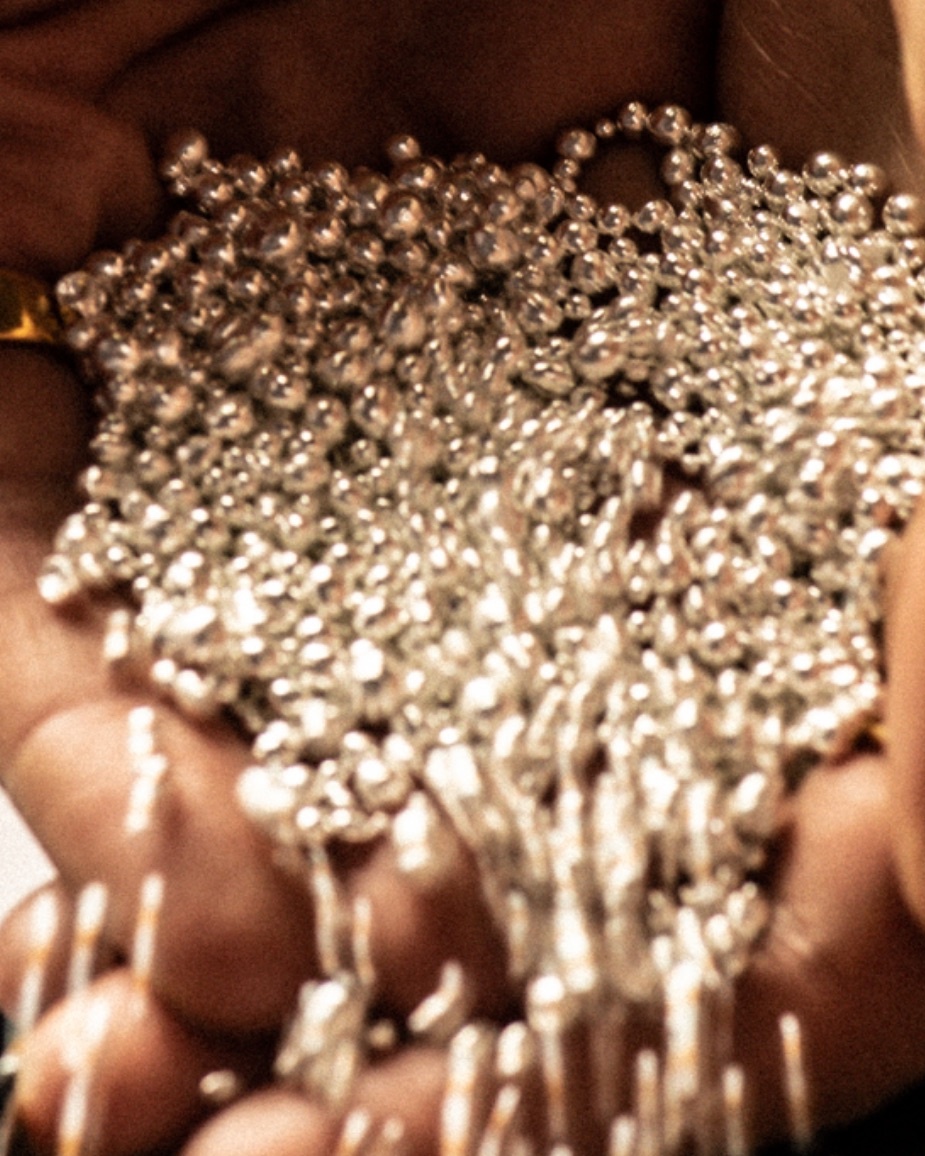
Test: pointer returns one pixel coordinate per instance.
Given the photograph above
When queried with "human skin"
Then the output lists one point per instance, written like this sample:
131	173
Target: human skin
89	91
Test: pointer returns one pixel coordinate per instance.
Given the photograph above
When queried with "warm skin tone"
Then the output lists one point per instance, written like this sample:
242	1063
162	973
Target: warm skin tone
88	92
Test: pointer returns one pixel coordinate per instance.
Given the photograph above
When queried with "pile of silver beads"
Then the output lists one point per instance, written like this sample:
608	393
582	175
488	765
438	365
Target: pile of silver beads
483	506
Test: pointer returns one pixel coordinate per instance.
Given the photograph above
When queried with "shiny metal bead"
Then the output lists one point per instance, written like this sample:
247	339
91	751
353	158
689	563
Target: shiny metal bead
576	145
632	119
852	212
904	215
669	124
825	173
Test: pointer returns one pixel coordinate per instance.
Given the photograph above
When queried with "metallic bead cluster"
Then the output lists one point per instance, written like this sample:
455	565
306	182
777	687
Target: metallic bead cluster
482	504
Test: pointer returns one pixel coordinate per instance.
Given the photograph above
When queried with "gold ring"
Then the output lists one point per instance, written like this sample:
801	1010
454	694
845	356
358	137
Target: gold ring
27	312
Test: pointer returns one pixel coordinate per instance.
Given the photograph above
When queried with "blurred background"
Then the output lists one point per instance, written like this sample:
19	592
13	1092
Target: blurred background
23	865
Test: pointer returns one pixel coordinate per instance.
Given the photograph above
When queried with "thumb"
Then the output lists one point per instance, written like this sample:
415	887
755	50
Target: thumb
905	708
910	23
71	178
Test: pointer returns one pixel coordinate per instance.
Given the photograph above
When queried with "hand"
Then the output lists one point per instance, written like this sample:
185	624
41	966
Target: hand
88	87
843	952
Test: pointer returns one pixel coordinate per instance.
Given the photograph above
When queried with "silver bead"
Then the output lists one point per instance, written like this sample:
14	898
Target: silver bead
632	119
324	234
600	349
904	215
184	157
869	180
669	124
852	212
402	148
763	161
401	217
577	145
824	173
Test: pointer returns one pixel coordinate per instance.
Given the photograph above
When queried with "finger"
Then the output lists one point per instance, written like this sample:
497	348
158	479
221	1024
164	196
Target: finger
306	83
140	1069
910	20
40	390
84	46
905	716
806	77
237	934
407	1088
235	939
35	948
53	945
273	1122
63	750
842	952
71	178
416	930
